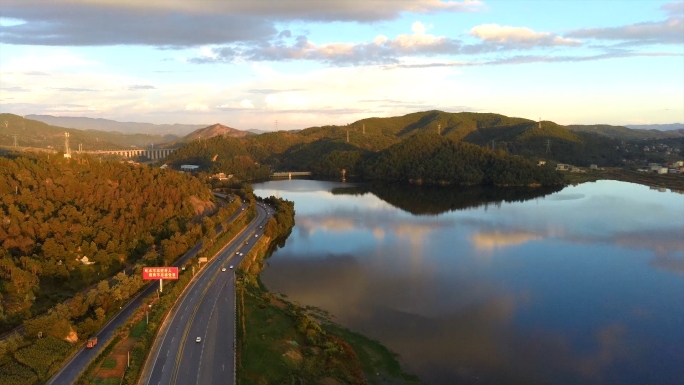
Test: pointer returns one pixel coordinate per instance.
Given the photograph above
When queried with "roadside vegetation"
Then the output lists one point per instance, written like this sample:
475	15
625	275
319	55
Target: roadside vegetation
281	342
60	211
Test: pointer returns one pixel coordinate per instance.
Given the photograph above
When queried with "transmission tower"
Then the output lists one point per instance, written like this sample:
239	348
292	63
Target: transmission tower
548	145
439	129
15	140
6	124
364	129
67	151
539	122
347	136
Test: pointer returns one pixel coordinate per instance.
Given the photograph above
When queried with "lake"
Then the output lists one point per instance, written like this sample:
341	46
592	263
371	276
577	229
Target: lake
583	285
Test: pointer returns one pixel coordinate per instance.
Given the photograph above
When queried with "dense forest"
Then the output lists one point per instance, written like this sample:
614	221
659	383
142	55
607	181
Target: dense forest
430	159
220	154
67	224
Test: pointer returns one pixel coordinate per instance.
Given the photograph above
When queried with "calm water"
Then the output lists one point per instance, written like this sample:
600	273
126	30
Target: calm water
579	286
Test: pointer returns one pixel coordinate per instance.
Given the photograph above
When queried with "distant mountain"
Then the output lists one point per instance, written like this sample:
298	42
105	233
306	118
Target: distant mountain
626	133
37	134
257	132
661	127
215	130
112	125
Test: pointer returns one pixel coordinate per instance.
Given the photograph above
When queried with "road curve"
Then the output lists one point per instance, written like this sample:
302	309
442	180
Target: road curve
70	372
205	310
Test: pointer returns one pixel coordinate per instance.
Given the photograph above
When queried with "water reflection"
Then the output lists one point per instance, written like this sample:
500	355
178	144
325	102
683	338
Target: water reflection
573	288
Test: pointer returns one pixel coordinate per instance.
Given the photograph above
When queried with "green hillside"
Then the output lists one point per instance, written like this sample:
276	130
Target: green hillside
326	150
431	159
32	133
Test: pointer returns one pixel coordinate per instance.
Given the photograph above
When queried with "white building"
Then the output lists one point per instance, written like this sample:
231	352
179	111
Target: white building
662	170
189	167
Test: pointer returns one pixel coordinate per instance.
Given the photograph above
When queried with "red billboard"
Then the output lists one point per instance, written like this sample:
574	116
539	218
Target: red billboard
160	273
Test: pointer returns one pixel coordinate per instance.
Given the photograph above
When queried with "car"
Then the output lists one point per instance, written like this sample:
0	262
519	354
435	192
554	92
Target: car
231	266
237	253
243	209
246	243
224	269
242	255
261	227
198	339
256	235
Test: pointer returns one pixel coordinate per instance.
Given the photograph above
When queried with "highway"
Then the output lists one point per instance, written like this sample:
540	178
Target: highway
206	310
70	372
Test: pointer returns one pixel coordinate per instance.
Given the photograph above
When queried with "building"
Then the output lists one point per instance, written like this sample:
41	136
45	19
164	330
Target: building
576	169
662	170
189	167
221	176
679	163
593	167
541	163
562	167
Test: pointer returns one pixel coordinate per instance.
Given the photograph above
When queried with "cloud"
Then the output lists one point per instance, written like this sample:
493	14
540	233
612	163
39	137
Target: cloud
15	89
674	8
383	50
273	90
519	37
196	107
71	89
137	87
380	51
179	23
669	31
241	105
526	59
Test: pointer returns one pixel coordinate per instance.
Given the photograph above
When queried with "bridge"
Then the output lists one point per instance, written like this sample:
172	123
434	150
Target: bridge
150	154
290	174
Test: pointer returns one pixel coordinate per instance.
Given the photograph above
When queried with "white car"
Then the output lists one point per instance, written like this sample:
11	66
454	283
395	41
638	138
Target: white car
224	269
256	235
199	339
242	255
237	253
231	266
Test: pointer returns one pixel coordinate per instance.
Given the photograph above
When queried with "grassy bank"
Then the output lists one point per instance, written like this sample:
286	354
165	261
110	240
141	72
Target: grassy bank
671	181
281	342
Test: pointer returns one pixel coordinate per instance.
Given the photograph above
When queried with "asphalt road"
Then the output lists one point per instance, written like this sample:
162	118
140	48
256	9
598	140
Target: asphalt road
70	372
206	310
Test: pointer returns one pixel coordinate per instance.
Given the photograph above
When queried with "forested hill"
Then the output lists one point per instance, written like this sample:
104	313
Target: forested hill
36	134
432	159
326	150
56	211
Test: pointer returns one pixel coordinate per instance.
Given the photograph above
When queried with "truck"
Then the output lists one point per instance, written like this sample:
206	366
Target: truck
91	343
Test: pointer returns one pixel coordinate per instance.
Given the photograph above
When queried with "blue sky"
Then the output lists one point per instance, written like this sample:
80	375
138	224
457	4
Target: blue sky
247	64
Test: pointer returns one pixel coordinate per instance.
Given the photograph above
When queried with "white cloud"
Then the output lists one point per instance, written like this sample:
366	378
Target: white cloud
241	105
418	28
194	106
518	36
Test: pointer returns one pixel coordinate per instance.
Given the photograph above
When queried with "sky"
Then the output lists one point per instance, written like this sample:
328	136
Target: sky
290	64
